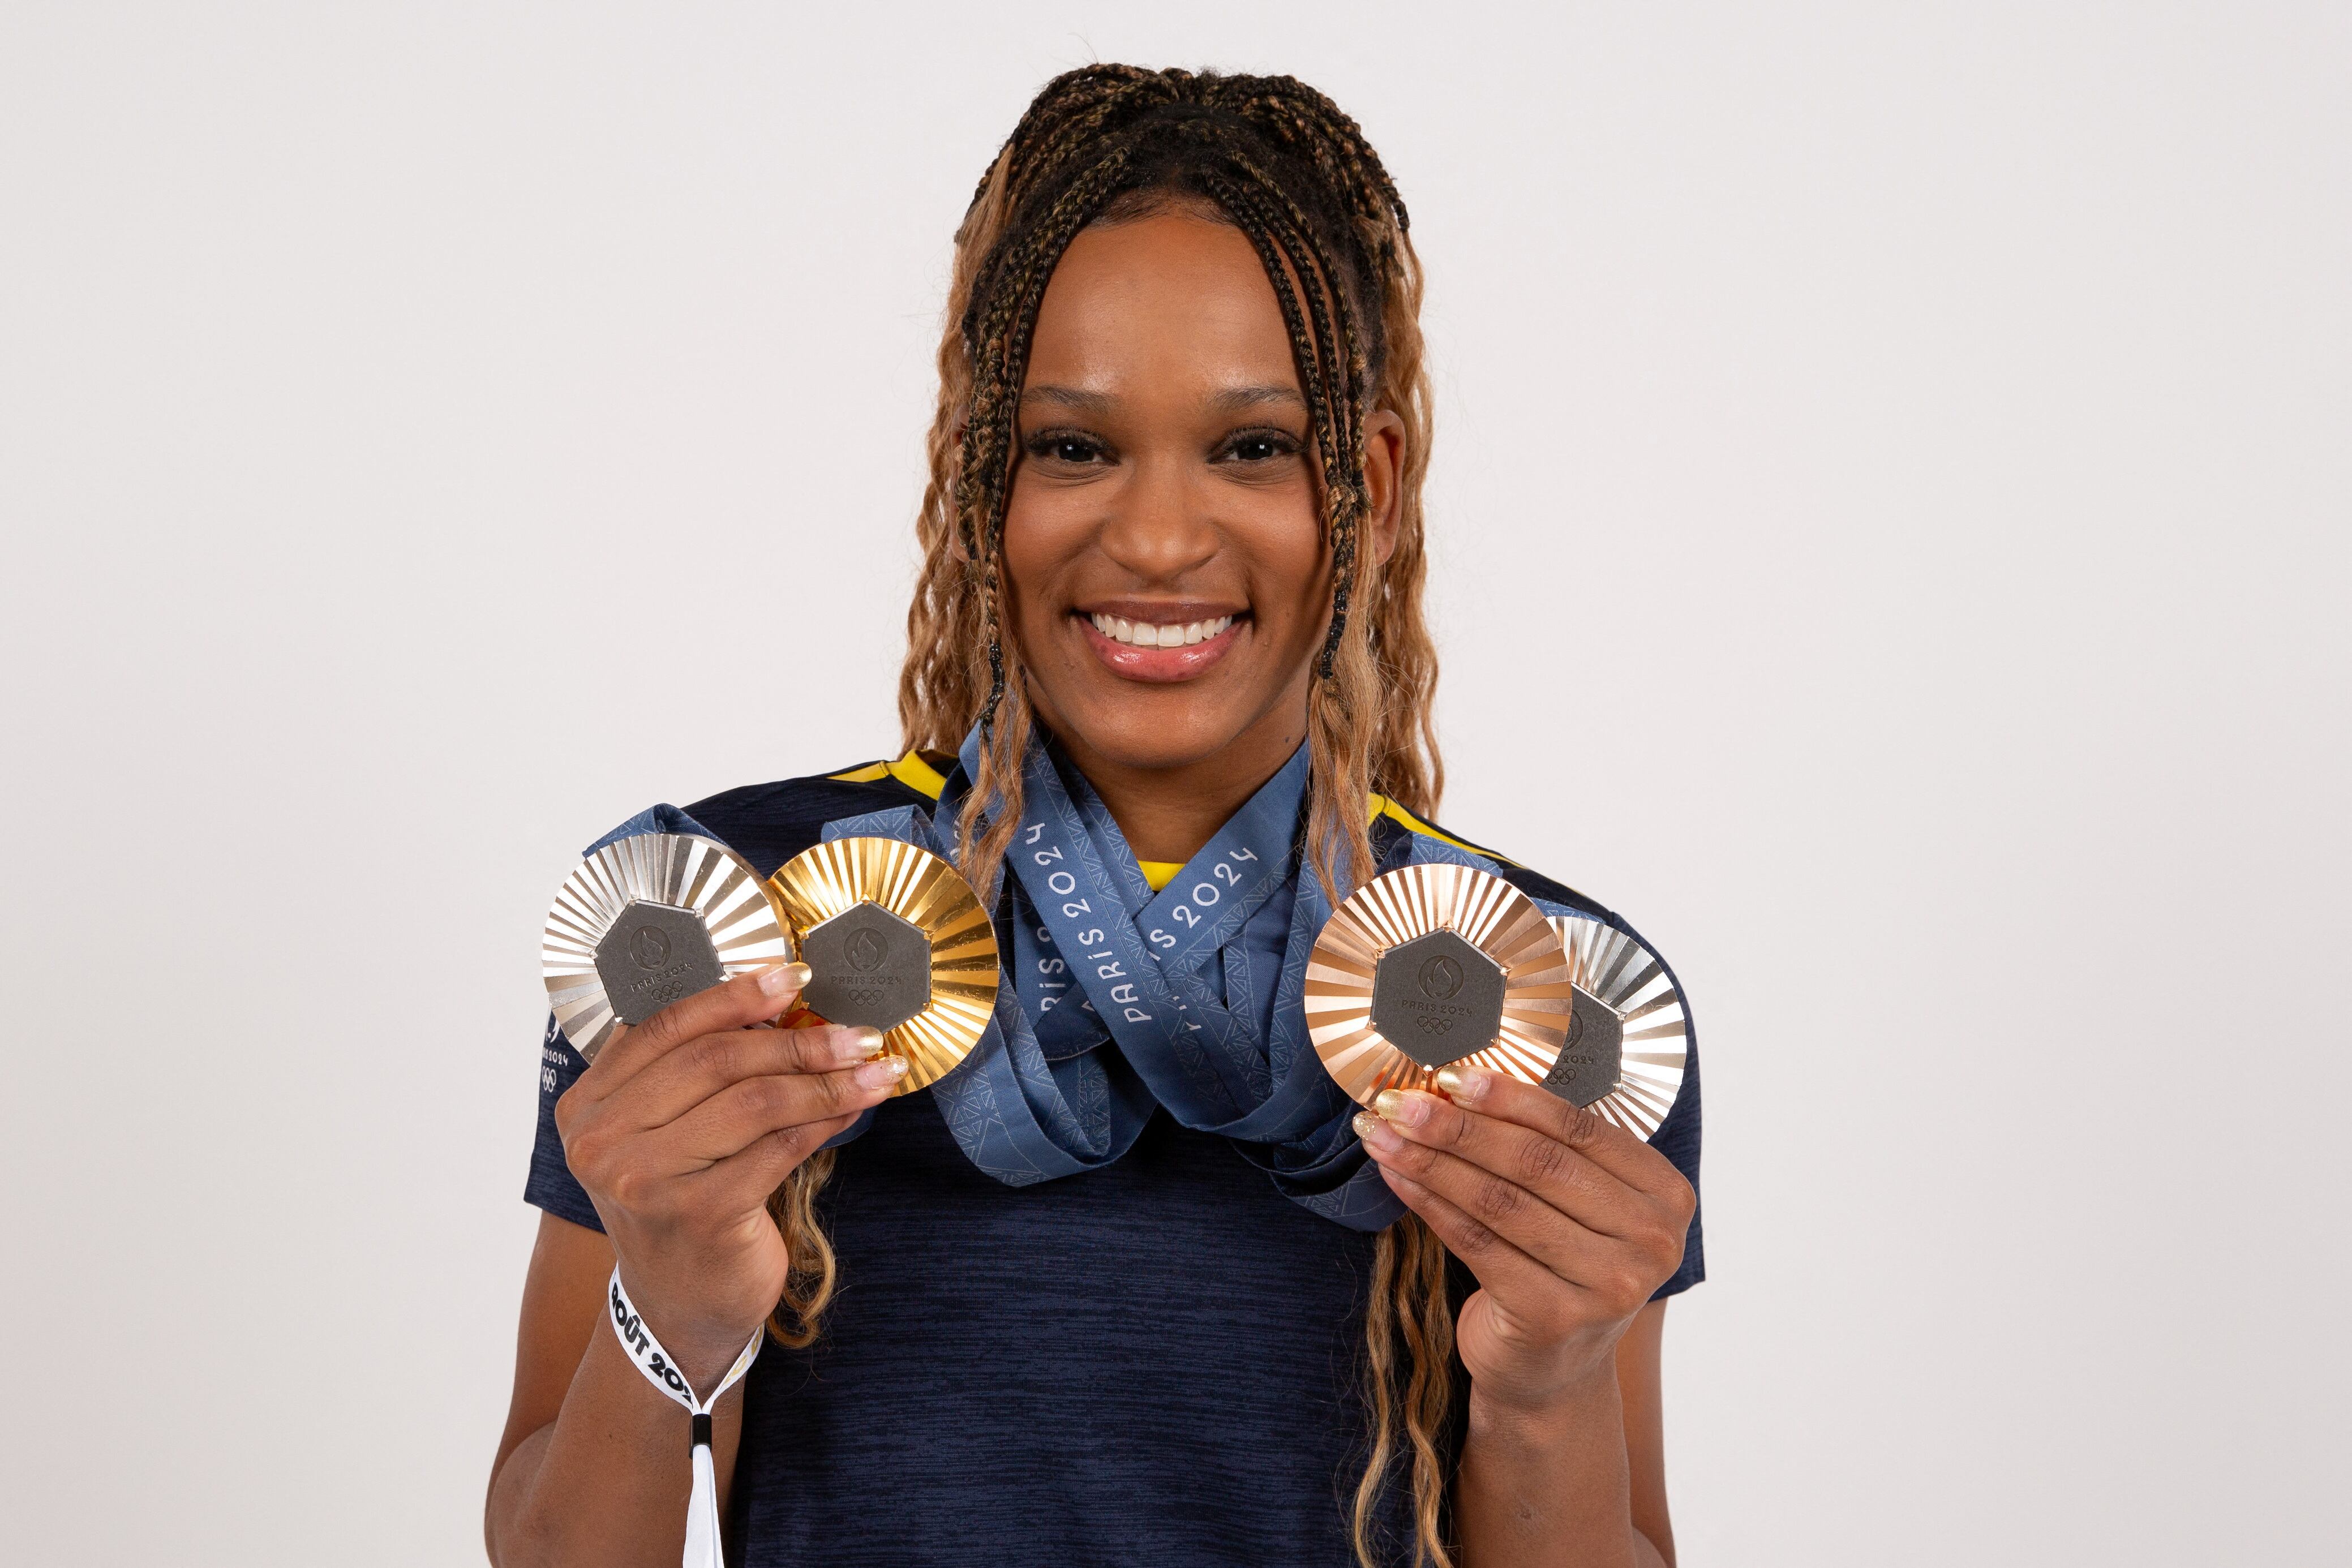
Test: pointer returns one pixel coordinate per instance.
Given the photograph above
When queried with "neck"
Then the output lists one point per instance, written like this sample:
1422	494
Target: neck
1168	812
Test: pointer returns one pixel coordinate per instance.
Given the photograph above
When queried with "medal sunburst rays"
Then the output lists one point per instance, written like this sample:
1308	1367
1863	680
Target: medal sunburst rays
1614	971
1410	904
920	888
706	880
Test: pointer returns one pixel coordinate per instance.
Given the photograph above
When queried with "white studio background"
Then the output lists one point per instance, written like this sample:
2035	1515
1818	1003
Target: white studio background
1889	518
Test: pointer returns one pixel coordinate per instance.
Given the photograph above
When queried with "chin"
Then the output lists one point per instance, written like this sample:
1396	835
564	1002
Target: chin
1156	735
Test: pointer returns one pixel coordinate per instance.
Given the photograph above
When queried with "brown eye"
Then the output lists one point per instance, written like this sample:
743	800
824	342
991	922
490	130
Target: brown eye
1063	447
1258	446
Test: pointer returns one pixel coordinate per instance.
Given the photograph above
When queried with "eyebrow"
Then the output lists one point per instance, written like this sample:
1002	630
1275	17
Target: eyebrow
1233	400
1072	398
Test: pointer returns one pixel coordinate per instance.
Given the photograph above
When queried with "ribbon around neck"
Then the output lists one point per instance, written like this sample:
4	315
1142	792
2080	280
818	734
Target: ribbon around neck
1120	1001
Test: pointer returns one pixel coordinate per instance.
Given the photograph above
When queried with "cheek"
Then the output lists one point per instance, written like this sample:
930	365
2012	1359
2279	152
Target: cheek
1289	564
1037	547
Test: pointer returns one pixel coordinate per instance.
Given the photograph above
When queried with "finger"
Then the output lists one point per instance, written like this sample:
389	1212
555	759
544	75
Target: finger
1518	1217
1582	1128
742	1181
1543	1164
675	1084
733	1119
1526	1287
737	1003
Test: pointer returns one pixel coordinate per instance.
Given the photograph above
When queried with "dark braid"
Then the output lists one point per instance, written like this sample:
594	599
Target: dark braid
980	510
1339	431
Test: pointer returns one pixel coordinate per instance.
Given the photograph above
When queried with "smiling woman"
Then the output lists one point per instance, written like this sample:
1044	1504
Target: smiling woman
1137	1282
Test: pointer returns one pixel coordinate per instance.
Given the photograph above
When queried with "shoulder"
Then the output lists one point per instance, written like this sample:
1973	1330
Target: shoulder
1393	828
768	825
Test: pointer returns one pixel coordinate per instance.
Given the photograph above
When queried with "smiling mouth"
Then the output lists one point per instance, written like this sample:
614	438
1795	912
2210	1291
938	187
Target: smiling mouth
1143	634
1159	652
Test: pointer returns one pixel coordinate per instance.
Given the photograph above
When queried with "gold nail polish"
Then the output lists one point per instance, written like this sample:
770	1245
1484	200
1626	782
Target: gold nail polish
1462	1082
1387	1101
1364	1123
869	1042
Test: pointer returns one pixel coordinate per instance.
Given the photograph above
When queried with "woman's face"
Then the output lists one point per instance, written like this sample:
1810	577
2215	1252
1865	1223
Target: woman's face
1167	579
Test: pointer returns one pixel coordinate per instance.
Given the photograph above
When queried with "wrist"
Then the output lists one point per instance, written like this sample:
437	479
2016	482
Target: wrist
1552	1415
700	1348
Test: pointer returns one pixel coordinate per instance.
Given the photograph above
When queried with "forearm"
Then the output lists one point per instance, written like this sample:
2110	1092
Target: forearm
1550	1487
605	1484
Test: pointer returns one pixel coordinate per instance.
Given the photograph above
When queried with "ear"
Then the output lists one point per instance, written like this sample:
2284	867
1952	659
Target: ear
1384	456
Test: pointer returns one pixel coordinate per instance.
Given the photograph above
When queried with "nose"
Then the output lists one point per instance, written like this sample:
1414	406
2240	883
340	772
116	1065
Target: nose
1160	528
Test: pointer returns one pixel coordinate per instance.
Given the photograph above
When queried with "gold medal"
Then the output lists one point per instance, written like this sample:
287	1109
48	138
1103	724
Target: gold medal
647	921
1628	1040
896	941
1434	966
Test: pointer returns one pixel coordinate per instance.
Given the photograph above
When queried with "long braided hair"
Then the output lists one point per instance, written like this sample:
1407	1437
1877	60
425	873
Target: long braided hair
1282	163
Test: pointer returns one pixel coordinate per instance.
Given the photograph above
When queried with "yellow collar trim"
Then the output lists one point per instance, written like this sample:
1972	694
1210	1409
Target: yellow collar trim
910	771
916	774
1381	805
922	777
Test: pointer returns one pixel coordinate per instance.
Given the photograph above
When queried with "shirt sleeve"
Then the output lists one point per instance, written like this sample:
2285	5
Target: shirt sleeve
551	1185
1678	1138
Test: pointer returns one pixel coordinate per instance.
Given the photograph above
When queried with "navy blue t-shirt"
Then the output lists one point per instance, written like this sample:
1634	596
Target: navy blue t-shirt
1157	1362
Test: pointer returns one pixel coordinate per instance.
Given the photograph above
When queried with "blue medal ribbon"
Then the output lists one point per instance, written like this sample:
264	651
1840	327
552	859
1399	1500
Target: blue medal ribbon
1119	1001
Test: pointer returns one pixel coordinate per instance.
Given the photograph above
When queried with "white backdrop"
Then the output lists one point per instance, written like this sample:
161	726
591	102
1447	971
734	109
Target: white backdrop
1889	514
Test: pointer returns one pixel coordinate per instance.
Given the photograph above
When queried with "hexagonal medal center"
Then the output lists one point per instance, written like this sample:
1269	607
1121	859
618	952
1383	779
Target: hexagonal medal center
870	968
656	954
1437	999
1594	1057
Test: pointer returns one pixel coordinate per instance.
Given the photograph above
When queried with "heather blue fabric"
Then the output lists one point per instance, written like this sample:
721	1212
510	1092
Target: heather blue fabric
1155	1362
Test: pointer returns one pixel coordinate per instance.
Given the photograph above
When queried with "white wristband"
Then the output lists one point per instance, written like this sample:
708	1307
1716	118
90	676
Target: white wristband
660	1367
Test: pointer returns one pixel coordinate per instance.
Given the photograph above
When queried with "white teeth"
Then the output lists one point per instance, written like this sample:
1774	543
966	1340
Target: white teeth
1143	634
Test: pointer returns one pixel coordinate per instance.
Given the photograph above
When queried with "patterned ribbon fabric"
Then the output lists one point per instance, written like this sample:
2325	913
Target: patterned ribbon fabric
1118	999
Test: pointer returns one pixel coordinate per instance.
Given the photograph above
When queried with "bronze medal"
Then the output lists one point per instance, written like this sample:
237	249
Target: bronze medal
1436	966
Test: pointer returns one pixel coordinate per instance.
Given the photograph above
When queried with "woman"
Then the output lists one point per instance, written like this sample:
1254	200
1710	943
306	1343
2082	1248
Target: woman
1122	1288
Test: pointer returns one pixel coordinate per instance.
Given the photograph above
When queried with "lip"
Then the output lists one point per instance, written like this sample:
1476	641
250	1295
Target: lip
1159	666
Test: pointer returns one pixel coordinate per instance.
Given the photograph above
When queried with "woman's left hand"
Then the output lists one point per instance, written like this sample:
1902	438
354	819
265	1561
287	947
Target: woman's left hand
1570	1224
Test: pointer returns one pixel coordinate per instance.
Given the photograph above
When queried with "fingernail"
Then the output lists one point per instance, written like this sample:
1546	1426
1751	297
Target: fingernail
1376	1134
1405	1110
859	1044
784	979
1465	1083
883	1073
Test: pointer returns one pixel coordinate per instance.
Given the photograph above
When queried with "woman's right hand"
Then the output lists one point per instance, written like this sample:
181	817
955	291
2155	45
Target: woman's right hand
683	1127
